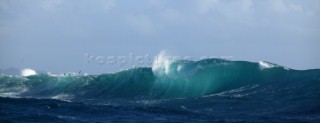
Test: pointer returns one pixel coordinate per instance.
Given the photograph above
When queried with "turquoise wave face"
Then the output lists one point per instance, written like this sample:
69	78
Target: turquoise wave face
175	80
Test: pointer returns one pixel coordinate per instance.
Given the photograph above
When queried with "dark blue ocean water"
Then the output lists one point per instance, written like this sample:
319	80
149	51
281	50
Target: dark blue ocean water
211	90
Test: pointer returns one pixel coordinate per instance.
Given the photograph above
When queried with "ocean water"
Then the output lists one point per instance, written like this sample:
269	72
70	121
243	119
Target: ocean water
210	90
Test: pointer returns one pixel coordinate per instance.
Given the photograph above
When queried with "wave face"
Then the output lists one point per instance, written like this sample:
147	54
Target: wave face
171	80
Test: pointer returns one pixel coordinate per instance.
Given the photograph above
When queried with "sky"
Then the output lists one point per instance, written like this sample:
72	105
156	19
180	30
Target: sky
72	35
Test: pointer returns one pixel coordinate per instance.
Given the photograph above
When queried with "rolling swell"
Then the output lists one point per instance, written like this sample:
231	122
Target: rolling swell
177	79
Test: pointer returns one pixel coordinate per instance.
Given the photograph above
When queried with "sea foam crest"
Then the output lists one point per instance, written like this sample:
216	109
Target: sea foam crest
266	65
161	64
28	72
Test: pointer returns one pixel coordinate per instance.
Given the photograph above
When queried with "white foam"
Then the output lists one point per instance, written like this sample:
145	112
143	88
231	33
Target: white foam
28	72
266	65
64	97
161	64
238	92
12	92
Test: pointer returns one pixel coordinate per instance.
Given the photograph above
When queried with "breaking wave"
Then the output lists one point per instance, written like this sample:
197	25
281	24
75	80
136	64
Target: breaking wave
166	79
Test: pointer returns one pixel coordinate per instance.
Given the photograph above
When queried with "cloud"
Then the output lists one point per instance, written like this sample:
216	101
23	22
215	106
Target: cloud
3	5
205	6
234	8
51	5
246	5
280	7
141	23
171	15
294	7
108	4
310	13
54	5
156	3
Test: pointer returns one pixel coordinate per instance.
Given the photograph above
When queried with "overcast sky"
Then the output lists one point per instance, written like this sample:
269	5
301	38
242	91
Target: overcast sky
55	35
